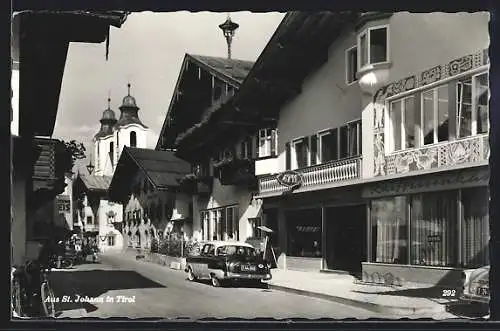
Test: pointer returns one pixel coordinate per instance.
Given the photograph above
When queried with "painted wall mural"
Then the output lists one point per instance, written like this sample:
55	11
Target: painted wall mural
462	151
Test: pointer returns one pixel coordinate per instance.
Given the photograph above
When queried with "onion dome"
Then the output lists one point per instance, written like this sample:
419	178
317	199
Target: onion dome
129	111
108	121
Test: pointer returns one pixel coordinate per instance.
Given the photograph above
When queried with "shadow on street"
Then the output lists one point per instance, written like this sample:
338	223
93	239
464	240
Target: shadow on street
92	284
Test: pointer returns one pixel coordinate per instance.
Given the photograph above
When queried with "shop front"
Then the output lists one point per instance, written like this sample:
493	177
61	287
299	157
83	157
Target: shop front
319	230
428	228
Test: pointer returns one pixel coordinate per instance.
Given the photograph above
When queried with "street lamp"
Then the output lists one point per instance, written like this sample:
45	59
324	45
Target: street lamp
228	28
90	167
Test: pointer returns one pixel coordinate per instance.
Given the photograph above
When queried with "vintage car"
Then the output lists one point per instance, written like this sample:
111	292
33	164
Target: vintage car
475	285
225	261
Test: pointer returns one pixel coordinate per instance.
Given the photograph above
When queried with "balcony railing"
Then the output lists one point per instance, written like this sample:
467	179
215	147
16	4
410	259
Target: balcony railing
317	175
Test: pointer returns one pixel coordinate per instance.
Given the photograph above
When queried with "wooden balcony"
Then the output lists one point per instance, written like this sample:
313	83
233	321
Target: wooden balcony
317	175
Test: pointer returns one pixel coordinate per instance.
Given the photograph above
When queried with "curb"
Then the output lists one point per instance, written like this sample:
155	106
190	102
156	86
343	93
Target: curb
374	307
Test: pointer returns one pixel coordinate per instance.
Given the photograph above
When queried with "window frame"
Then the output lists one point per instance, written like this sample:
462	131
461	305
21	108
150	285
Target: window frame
319	152
348	67
418	92
402	133
367	32
294	163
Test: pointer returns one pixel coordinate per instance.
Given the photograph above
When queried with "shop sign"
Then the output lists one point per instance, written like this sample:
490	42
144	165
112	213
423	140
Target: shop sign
437	182
291	179
308	228
434	238
63	204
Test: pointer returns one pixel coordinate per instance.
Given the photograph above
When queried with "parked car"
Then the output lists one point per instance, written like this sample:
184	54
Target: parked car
475	285
225	261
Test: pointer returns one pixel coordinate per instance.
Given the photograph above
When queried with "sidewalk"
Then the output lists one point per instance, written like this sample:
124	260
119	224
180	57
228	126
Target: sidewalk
402	301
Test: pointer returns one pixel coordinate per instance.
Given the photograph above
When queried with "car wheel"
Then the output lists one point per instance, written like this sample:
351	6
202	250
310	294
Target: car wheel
215	281
191	276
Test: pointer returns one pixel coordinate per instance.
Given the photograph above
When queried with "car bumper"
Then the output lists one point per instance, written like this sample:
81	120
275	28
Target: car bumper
232	275
473	298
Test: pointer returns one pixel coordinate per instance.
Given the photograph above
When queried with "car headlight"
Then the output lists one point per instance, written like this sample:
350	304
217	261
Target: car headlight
261	266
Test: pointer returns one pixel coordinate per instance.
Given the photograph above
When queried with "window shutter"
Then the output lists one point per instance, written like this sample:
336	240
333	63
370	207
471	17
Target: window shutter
314	148
335	146
307	149
242	150
249	142
256	140
288	157
273	142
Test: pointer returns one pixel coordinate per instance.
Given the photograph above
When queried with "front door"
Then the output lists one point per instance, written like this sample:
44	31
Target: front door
346	238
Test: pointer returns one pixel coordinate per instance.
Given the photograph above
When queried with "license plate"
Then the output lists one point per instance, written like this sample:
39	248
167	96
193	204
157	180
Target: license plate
483	291
248	268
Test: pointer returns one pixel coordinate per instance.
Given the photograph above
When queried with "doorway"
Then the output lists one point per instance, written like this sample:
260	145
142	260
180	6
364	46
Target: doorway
346	238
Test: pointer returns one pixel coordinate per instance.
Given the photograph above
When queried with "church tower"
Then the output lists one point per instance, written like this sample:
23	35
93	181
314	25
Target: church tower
129	130
104	142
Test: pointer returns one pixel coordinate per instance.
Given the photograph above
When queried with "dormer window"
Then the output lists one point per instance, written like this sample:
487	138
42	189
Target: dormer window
373	46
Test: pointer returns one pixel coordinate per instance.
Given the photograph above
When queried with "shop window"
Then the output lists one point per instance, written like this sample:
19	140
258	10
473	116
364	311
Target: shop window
475	227
434	229
221	226
373	46
111	240
351	65
304	233
403	120
133	139
389	230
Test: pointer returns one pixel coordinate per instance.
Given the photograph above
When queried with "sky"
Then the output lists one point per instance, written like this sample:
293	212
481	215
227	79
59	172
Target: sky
147	51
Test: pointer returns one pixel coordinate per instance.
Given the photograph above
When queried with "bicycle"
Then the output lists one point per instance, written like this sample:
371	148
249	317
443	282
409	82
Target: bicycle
27	295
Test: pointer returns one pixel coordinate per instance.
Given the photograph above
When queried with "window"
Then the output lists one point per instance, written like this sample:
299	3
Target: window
435	115
300	154
89	220
254	224
304	232
328	142
245	150
267	142
133	139
475	227
481	102
111	240
373	46
402	116
351	65
350	144
204	215
434	228
389	230
111	152
464	107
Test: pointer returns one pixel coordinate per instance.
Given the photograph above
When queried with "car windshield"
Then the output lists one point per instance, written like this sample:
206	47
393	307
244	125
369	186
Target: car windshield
236	250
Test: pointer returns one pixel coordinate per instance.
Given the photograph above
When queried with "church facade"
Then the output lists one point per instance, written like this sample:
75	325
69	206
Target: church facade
100	219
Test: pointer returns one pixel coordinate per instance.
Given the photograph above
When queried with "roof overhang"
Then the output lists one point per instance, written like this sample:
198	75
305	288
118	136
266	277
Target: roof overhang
43	39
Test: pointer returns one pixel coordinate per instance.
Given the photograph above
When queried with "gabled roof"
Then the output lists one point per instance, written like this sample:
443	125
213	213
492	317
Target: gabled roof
232	69
95	183
163	169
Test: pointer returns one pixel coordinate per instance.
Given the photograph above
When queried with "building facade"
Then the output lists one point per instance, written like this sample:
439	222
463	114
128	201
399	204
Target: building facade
381	143
148	185
221	168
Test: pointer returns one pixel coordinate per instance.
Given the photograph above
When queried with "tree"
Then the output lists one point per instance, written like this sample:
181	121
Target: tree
74	151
